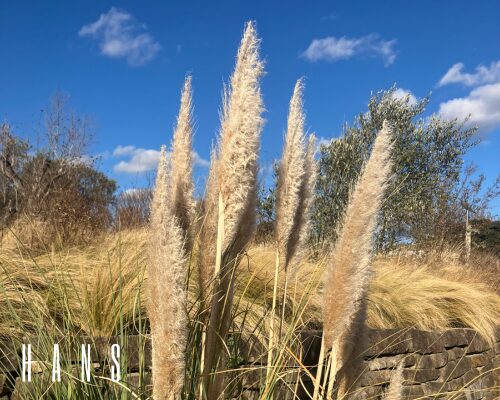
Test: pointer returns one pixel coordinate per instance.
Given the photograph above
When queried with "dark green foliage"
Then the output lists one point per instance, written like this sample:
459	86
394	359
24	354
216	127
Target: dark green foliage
266	210
486	234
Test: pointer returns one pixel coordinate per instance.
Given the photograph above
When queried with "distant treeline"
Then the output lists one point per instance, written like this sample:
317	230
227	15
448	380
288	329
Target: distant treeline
58	187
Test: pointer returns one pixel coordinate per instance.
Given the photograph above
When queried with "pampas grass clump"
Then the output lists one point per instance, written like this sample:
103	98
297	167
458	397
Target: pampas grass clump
208	292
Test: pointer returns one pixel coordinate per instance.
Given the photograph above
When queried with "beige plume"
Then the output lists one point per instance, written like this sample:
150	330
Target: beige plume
241	127
290	177
349	272
166	290
182	166
302	221
395	390
208	230
236	172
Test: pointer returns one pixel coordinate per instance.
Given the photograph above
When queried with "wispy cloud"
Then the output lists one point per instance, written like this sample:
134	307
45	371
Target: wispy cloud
403	94
482	105
334	49
481	75
139	160
198	160
120	35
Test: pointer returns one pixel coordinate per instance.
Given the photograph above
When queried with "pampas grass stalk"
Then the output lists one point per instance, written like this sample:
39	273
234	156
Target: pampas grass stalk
182	166
290	178
303	216
239	140
166	287
241	127
207	255
302	224
348	273
208	231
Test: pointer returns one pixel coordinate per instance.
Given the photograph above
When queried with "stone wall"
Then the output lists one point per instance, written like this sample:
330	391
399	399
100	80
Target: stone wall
456	360
455	364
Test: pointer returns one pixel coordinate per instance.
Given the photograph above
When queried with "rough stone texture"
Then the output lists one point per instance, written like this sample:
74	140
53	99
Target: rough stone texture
456	362
435	365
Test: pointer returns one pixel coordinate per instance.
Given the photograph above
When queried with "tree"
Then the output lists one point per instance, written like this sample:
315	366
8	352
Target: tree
428	160
487	235
56	182
13	156
266	208
133	208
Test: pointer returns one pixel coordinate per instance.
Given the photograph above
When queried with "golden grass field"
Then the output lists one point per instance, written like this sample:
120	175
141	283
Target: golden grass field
104	280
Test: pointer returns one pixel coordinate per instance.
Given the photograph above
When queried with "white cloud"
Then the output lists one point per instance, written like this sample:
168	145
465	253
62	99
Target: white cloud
481	75
334	49
135	191
144	160
123	151
121	36
403	94
482	104
140	160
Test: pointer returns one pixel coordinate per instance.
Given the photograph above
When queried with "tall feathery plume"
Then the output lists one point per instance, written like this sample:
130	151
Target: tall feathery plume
182	166
241	127
166	287
239	142
302	221
349	272
207	254
291	175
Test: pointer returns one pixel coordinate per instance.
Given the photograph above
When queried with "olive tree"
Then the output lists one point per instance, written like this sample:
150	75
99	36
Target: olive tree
428	160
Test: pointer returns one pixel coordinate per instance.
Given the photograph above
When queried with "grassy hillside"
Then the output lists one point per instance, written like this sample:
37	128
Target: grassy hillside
101	286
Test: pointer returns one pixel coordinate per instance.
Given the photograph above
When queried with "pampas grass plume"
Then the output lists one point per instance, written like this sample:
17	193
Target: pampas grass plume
349	271
241	127
166	290
302	224
290	177
182	166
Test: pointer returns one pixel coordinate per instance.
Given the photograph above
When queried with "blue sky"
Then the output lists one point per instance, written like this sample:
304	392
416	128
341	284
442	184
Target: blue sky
123	63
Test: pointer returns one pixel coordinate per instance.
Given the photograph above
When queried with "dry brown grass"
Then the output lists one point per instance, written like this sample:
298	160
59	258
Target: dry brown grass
448	262
431	297
103	283
97	283
454	294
